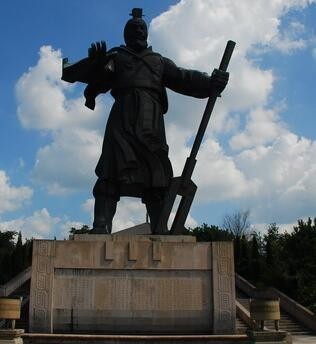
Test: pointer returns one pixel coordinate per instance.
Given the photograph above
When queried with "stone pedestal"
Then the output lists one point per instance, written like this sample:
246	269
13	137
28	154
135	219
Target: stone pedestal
8	336
267	337
132	284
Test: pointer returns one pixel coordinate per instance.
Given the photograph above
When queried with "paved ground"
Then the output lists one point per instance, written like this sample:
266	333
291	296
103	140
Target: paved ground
304	339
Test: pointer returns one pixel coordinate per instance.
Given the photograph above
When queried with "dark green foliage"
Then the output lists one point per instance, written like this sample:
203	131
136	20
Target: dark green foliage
6	249
14	256
83	230
273	245
17	260
255	264
286	261
301	261
27	253
243	261
237	223
210	233
6	243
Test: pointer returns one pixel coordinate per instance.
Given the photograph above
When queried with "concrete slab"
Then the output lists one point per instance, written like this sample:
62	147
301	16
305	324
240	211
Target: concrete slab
303	339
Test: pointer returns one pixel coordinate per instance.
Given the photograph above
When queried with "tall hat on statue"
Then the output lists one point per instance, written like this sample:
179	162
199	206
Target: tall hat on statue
135	31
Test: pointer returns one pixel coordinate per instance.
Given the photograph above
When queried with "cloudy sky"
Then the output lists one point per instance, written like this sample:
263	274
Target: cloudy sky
259	152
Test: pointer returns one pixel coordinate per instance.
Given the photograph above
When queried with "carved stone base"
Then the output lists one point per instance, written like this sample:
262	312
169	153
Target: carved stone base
132	284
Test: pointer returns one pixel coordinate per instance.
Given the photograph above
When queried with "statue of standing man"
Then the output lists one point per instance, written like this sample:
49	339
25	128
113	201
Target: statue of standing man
134	160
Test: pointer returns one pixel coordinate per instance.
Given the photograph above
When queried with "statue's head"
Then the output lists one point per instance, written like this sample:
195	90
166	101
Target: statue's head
135	31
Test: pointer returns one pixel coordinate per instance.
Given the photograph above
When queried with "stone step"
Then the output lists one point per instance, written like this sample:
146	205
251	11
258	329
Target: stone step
286	323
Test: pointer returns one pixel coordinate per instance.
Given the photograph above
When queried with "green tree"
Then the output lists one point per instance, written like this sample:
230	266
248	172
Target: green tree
243	260
210	233
7	246
256	262
14	256
27	253
237	223
272	245
275	269
17	256
83	230
300	249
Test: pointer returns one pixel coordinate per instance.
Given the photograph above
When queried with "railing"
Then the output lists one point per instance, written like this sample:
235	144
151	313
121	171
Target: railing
16	282
245	286
244	314
296	310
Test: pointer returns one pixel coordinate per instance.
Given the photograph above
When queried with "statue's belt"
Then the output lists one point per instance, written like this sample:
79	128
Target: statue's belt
122	88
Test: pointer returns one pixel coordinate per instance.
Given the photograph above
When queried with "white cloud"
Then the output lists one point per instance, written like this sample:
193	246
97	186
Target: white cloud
66	227
130	212
47	103
216	174
190	221
44	100
67	164
171	33
290	39
11	197
267	168
39	225
263	126
214	23
287	173
40	93
262	228
219	178
87	206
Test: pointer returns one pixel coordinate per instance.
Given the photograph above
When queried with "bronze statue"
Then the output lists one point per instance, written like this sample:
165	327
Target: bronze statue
134	160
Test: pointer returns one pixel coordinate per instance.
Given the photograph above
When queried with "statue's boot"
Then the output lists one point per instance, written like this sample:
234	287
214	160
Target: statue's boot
153	210
104	210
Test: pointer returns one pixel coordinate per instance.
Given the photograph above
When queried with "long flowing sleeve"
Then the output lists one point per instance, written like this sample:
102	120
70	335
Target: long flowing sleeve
185	81
101	83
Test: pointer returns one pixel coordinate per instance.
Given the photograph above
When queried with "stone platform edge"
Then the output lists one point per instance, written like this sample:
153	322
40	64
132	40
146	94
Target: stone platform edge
138	237
65	338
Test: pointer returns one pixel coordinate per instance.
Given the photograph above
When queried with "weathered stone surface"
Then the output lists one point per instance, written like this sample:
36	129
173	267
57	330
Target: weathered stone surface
127	236
267	337
18	340
34	338
8	336
132	284
224	304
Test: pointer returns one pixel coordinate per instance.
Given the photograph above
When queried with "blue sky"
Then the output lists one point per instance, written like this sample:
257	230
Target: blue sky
260	149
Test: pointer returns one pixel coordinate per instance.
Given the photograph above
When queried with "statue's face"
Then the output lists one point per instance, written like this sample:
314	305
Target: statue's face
135	34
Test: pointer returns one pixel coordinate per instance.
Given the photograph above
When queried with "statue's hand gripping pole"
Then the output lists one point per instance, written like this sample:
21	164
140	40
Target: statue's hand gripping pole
183	185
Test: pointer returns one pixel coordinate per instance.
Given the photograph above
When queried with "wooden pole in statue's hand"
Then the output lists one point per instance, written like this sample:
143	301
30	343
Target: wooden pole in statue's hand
183	185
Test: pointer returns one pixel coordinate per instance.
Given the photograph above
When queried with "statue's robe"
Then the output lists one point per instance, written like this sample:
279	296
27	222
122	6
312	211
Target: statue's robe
135	152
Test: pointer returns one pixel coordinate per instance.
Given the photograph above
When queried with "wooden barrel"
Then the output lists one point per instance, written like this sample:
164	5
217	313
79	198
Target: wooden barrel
261	309
10	308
